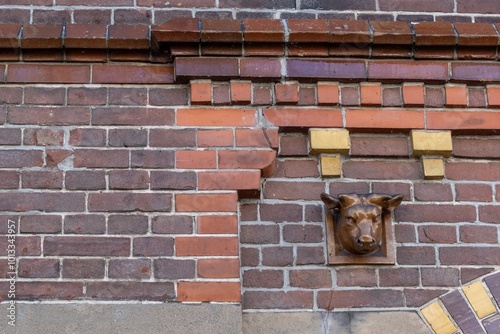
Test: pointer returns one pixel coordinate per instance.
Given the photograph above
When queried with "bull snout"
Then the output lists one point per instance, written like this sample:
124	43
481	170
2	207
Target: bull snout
365	239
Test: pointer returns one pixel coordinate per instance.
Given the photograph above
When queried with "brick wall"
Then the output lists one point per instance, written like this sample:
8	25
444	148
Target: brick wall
173	162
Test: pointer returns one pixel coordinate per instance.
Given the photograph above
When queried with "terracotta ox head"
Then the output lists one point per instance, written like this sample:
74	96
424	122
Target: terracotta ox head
360	219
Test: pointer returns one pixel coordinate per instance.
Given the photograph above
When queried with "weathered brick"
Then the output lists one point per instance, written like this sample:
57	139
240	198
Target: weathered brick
153	246
48	202
128	138
43	137
440	277
40	224
122	74
128	179
258	159
111	158
478	234
361	277
88	137
84	224
258	278
260	234
278	299
9	179
469	255
406	277
38	268
48	115
42	179
174	269
310	255
437	234
132	116
419	255
329	300
126	201
172	180
420	297
293	145
405	233
44	95
248	180
400	71
127	224
152	158
85	180
118	290
172	224
277	256
86	246
40	290
58	74
129	268
177	96
217	138
83	268
378	169
311	278
84	96
303	233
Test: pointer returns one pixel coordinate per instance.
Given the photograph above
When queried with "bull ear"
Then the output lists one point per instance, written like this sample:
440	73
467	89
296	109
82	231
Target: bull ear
386	202
331	202
348	199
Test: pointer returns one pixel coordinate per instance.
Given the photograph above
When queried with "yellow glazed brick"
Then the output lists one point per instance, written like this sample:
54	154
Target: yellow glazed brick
330	166
431	143
479	299
433	168
437	318
329	141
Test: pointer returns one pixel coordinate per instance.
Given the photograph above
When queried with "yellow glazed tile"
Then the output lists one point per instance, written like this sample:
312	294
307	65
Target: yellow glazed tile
479	299
329	141
331	166
433	168
431	143
437	318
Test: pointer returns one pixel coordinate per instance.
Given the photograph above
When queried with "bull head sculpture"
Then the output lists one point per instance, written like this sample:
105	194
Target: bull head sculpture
360	219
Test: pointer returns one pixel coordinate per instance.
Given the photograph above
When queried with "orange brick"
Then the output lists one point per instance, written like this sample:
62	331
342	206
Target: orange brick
201	92
493	93
241	92
287	93
328	93
195	159
384	119
206	246
463	120
215	138
456	95
206	202
413	94
218	224
302	117
208	292
216	117
219	268
224	180
258	159
371	94
257	138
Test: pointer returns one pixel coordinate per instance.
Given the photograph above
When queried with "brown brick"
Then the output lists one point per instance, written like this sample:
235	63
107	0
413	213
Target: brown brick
249	257
420	255
437	234
258	278
174	269
260	234
487	7
123	74
128	138
211	138
469	274
48	202
101	159
278	299
361	277
129	268
38	268
440	277
172	224
405	233
132	116
218	268
310	255
473	171
48	115
444	213
212	68
385	170
489	213
152	158
37	290
420	297
83	268
399	71
311	278
392	188
279	256
172	138
10	136
9	179
475	147
329	300
25	245
44	95
57	74
292	190
292	168
157	291
88	137
43	137
124	202
405	277
153	246
40	224
85	180
469	256
323	69
341	187
127	224
478	234
247	180
305	233
84	224
369	145
392	97
86	246
350	96
473	192
42	179
128	179
292	145
281	212
166	97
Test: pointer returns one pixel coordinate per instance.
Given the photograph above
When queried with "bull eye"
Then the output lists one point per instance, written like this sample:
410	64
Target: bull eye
351	221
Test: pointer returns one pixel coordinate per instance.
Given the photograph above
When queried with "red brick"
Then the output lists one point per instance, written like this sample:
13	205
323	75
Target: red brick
287	93
278	256
352	70
311	278
128	179
83	268
139	96
40	224
360	298
469	256
439	213
241	92
293	145
126	201
39	290
260	234
206	246
216	117
218	268
478	234
48	202
130	268
101	159
127	224
38	268
86	246
328	93
283	190
370	145
384	170
278	299
217	138
206	202
201	92
117	290
132	116
303	233
399	71
413	94
456	95
84	224
257	159
172	224
405	277
208	291
419	255
361	277
217	224
153	246
172	138
58	74
473	192
43	137
371	94
310	255
296	117
174	269
489	213
437	234
173	180
473	171
152	158
207	67
9	179
384	119
229	180
129	74
42	179
434	192
48	115
87	137
195	159
85	180
258	278
44	95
